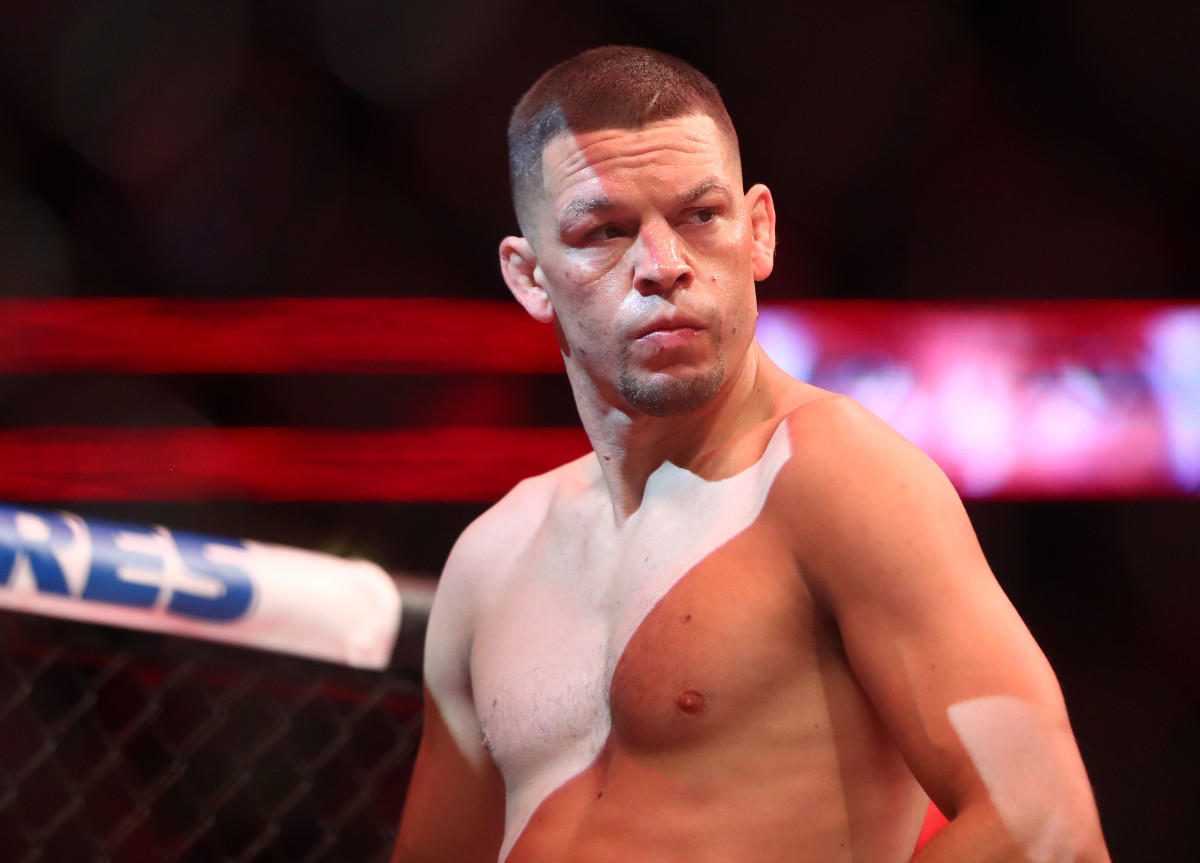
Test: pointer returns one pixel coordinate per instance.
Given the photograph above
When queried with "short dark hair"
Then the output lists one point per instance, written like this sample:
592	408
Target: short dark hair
613	87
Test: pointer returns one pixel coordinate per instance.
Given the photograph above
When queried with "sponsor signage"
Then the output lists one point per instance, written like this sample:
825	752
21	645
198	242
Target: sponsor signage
180	583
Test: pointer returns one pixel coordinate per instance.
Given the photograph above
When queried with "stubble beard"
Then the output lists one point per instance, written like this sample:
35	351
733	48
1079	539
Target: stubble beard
661	395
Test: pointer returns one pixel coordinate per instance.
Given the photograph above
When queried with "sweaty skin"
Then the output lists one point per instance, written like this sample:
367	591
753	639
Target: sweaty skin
736	631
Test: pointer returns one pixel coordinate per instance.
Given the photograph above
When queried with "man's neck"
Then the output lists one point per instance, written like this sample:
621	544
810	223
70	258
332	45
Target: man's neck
630	446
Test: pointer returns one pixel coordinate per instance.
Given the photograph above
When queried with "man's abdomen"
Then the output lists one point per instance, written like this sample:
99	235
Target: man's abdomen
626	808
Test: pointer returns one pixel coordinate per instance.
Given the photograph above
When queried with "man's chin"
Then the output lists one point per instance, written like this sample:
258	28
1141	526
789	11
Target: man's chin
664	395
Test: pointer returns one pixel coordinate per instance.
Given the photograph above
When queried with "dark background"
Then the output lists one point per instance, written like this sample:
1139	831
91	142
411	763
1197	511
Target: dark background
917	150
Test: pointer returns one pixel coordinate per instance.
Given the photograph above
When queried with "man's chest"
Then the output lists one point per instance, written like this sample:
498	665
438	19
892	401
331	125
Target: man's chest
594	632
554	669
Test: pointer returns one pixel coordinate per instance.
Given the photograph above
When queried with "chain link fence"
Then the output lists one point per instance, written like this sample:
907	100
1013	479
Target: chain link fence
130	747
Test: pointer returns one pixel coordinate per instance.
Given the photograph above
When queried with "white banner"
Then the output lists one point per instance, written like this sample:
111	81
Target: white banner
240	592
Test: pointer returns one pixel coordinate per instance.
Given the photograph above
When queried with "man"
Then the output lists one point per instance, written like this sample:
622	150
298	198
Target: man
754	624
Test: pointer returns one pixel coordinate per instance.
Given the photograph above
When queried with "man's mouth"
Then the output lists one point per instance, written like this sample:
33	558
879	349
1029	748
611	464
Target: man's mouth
675	326
669	334
671	337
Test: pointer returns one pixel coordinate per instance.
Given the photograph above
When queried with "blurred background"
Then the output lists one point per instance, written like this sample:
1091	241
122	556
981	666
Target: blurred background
953	152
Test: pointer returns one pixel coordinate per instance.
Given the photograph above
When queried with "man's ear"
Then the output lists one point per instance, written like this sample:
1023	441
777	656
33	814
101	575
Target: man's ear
762	230
518	263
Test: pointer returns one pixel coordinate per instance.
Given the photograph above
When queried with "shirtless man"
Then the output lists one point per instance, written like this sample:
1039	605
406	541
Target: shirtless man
755	625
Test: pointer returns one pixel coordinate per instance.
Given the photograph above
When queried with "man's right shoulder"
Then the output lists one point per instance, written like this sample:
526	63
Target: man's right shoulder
482	564
507	527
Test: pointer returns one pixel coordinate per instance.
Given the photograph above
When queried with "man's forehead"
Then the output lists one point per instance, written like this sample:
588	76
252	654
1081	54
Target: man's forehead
578	163
691	139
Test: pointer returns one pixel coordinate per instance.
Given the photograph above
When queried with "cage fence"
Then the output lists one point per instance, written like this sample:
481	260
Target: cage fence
131	747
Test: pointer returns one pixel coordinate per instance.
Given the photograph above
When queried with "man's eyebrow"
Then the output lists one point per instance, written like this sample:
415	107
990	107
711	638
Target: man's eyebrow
590	204
705	186
583	207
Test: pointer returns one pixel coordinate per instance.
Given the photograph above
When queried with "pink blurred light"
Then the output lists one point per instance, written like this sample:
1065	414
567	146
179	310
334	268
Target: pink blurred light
1024	400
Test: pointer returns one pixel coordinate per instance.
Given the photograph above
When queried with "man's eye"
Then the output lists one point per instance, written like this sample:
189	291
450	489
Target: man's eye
608	232
703	216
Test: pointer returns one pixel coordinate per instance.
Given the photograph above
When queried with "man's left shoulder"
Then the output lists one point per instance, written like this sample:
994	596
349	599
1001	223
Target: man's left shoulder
840	451
868	516
828	427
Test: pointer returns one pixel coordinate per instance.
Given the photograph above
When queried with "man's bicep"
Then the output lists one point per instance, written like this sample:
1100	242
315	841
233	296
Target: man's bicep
454	811
961	685
934	662
978	715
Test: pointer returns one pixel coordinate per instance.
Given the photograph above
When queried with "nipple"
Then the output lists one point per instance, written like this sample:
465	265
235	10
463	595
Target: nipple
690	702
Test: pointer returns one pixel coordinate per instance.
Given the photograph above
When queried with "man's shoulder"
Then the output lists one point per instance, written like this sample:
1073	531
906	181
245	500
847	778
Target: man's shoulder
516	518
527	503
829	425
837	445
860	503
816	409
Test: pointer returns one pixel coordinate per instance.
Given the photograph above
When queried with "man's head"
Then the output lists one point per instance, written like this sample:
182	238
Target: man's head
639	244
614	87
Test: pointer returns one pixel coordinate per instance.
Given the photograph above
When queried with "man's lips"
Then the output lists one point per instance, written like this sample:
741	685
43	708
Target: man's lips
675	326
670	335
670	340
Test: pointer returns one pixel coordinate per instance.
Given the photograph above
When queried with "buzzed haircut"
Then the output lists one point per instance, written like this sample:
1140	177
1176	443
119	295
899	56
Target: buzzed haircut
614	87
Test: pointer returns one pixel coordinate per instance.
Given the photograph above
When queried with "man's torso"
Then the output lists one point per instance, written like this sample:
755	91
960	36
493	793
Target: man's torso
671	690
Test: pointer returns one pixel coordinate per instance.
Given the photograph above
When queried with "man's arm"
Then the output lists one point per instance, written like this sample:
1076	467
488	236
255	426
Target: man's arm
454	811
960	683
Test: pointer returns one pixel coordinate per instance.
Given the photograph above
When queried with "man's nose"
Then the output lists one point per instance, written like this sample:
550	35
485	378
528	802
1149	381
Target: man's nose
661	264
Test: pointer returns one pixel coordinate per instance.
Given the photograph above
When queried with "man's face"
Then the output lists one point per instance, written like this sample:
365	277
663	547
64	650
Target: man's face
644	249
